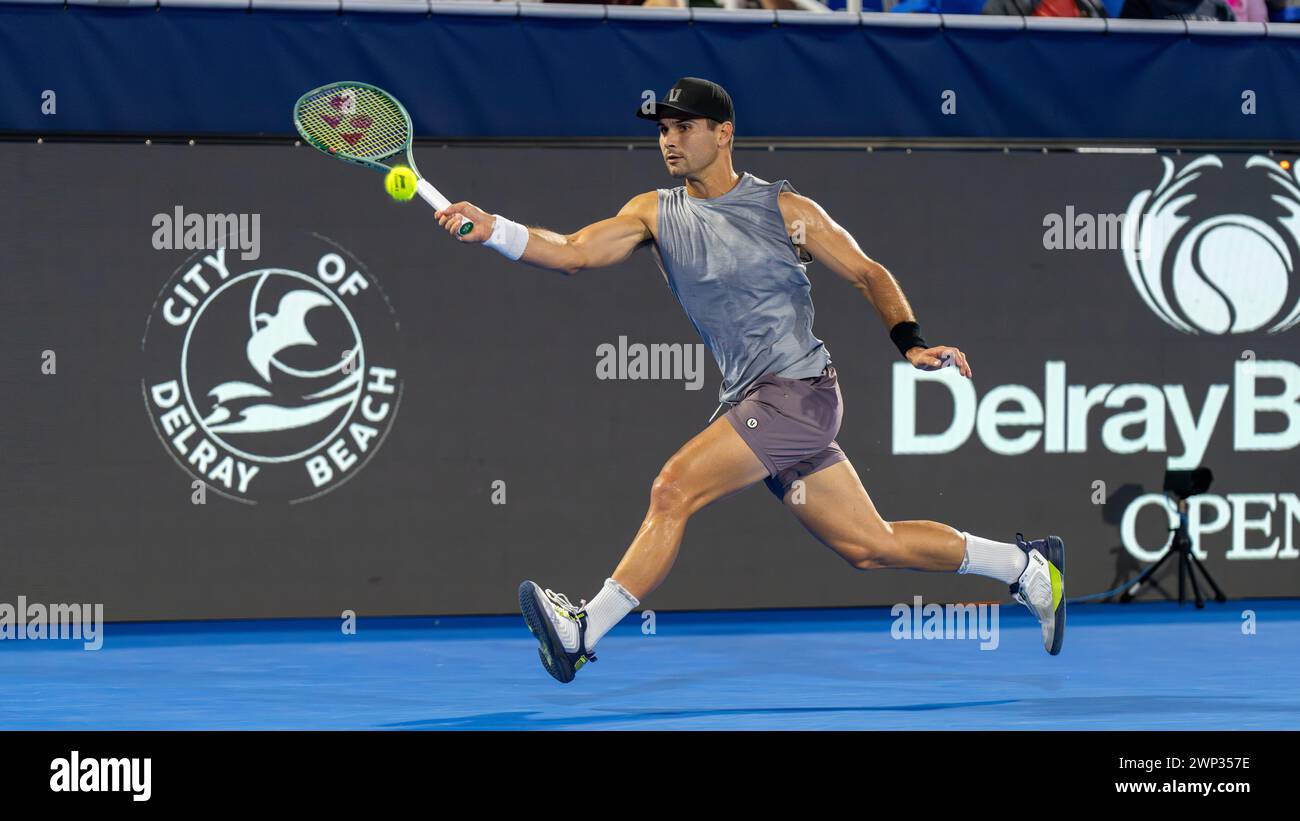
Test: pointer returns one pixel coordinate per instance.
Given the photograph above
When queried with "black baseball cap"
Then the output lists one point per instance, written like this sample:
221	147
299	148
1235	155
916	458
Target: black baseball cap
692	97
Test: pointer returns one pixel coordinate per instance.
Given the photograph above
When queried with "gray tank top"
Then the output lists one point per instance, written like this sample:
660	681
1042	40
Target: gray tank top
733	268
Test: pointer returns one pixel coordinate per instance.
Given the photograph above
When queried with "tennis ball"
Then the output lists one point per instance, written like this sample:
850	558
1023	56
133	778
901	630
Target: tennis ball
400	183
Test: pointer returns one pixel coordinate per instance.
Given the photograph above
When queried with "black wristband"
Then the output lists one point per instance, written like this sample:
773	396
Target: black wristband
907	335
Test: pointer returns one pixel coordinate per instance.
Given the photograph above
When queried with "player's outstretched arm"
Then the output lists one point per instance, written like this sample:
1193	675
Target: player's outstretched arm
607	242
835	247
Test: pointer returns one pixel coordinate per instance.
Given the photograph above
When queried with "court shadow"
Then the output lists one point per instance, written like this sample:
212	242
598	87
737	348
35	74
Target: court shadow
534	720
1117	712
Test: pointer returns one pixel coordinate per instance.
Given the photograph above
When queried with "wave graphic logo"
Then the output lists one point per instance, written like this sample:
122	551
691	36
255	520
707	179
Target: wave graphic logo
1215	273
277	384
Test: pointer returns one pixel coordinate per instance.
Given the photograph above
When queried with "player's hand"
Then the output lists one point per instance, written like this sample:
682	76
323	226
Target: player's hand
940	356
451	217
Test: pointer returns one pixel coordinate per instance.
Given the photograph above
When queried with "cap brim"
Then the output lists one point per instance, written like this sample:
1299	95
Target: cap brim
661	110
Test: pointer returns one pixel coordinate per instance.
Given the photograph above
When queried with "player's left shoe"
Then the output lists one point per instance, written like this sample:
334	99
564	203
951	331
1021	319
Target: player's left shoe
1041	587
560	629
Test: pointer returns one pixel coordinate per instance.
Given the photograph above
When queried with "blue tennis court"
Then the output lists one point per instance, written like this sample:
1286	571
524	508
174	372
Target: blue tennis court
1141	666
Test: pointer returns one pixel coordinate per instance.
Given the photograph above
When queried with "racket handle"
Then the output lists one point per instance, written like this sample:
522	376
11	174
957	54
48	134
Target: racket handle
438	201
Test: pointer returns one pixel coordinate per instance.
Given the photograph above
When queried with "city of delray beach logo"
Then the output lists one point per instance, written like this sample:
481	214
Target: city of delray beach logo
274	384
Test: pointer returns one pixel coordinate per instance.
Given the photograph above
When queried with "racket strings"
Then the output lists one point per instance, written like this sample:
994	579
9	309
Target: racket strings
355	121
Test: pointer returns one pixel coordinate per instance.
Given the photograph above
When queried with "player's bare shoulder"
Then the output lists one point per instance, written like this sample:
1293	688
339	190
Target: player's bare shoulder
796	207
645	207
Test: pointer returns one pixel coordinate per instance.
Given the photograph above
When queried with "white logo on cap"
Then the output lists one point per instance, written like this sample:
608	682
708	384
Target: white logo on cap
674	94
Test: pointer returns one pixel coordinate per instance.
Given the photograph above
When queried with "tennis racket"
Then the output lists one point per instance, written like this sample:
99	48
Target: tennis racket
365	125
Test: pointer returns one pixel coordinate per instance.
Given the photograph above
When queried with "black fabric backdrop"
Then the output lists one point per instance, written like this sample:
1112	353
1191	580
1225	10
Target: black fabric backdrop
497	368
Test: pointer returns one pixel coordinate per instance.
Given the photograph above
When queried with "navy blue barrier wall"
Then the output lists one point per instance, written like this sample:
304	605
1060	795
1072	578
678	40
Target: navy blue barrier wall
518	72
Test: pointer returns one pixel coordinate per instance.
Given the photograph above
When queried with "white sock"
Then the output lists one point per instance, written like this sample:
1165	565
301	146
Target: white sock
997	560
609	607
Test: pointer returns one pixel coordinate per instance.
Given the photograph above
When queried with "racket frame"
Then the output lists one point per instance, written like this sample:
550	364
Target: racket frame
383	164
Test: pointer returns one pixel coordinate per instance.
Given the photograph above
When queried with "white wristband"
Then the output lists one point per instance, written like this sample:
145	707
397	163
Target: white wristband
508	238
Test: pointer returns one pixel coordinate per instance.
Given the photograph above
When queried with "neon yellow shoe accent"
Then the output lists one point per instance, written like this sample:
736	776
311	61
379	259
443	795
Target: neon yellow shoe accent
1058	586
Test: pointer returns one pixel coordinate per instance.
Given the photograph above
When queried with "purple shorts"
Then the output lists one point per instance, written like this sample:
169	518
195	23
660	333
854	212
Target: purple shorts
791	424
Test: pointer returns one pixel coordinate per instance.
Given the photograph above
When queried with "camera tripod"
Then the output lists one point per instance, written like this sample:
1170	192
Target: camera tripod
1188	564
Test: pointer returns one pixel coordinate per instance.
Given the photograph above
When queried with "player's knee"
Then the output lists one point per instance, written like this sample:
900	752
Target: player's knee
864	557
874	551
668	492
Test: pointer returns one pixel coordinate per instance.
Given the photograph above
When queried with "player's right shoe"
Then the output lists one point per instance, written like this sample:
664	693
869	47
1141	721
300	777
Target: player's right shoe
1041	587
560	629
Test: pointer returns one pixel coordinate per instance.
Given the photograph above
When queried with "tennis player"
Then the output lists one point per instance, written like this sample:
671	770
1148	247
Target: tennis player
723	241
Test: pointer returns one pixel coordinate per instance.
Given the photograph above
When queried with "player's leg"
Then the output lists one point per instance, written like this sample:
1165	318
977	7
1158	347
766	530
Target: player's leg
715	463
832	504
